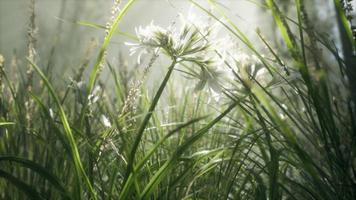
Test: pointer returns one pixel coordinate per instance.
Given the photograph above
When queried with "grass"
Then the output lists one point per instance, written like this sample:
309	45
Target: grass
277	130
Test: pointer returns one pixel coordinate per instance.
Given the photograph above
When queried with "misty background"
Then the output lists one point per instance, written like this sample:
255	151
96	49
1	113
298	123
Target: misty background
56	20
59	33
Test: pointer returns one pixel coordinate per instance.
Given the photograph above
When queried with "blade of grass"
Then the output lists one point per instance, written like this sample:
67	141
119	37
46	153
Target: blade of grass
98	26
7	123
27	189
100	57
164	169
105	45
68	133
141	163
145	121
39	169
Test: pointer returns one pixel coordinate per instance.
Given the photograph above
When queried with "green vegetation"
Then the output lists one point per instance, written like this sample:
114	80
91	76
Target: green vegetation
276	123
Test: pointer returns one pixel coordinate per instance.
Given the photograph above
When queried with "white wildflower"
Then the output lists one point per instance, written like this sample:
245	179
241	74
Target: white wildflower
282	116
147	41
94	95
106	122
51	113
187	44
251	68
284	106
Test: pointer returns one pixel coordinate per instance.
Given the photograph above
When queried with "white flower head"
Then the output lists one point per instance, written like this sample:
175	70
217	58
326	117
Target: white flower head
94	95
51	113
250	67
189	42
282	116
106	122
147	41
284	106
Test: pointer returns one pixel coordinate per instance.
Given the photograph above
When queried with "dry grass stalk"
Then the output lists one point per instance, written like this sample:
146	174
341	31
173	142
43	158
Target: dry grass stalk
31	45
130	107
114	12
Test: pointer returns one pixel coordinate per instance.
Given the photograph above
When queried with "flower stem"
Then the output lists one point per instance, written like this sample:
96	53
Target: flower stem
148	117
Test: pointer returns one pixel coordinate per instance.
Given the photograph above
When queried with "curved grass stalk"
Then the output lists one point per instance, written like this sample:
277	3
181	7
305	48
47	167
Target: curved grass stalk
141	129
164	169
7	123
100	57
74	152
142	162
24	187
105	45
99	26
39	169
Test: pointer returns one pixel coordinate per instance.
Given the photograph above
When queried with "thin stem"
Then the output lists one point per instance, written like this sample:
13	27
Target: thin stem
148	117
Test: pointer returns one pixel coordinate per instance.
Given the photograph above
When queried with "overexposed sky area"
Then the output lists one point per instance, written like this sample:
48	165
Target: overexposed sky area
55	19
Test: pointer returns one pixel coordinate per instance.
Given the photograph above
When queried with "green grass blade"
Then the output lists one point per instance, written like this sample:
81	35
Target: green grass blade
283	27
40	170
345	22
68	133
165	168
52	123
7	123
99	60
145	121
141	163
105	45
98	26
27	189
155	147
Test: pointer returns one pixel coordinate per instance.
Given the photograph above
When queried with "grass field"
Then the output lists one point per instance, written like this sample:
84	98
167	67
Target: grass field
226	117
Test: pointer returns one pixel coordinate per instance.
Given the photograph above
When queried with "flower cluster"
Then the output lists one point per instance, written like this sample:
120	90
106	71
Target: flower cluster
147	42
216	63
252	70
177	44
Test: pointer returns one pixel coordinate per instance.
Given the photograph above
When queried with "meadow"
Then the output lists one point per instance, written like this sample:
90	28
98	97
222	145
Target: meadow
203	111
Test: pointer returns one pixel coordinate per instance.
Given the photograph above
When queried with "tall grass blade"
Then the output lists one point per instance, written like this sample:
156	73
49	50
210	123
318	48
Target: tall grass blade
22	186
40	170
68	133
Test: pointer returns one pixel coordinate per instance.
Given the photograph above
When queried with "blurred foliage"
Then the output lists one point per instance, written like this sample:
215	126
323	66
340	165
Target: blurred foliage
272	118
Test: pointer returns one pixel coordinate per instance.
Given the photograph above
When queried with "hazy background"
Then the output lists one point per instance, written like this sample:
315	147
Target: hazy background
55	21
